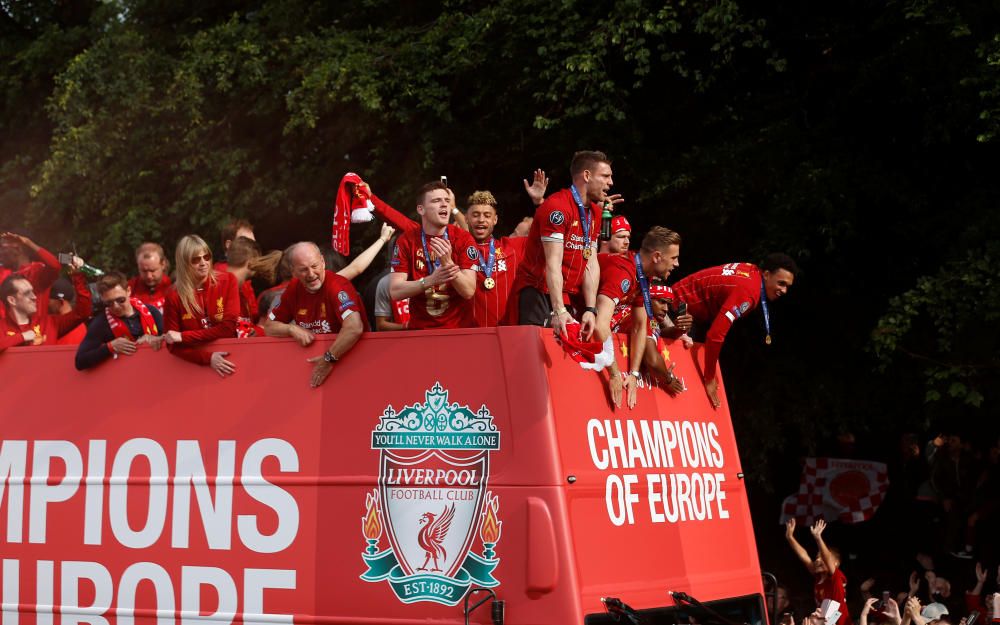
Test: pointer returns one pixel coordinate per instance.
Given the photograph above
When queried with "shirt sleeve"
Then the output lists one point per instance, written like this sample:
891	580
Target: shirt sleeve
284	312
735	306
81	309
464	251
401	257
42	273
393	217
93	349
616	282
553	220
344	299
383	303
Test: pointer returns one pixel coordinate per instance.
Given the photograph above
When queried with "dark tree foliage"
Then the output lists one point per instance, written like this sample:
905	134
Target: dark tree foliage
859	137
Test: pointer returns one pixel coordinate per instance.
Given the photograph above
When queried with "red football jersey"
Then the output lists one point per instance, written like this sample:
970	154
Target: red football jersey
558	220
440	306
220	306
324	311
489	305
150	297
834	587
718	296
48	328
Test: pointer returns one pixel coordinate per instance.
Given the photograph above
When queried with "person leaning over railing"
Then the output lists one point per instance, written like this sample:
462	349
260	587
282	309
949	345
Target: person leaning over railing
127	323
203	306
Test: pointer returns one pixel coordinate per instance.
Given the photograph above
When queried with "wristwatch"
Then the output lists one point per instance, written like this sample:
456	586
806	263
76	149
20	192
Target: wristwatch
330	358
591	310
635	374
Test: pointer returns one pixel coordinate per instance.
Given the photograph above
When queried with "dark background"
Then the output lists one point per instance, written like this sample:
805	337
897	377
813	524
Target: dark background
857	136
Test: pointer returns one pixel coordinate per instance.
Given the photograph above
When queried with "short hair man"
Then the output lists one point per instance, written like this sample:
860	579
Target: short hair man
624	281
318	301
718	296
560	260
126	324
27	322
15	257
230	231
621	235
150	286
433	266
496	260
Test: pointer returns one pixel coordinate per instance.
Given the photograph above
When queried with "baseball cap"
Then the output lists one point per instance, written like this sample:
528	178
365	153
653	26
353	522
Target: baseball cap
63	289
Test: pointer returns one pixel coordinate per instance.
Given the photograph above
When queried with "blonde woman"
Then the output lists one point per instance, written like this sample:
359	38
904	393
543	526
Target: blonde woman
202	306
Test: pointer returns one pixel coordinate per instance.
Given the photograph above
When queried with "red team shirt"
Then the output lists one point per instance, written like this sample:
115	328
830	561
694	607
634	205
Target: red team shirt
557	219
220	305
40	273
490	305
150	297
716	298
445	308
48	328
322	312
618	282
834	587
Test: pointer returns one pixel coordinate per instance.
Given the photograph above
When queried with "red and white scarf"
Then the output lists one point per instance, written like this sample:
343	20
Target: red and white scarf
353	205
146	320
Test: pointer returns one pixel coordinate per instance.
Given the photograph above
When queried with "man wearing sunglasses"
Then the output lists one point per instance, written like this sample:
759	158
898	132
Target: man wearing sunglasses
126	324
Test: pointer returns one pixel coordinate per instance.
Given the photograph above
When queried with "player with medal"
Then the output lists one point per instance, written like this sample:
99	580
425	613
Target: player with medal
495	262
718	296
432	265
625	279
560	264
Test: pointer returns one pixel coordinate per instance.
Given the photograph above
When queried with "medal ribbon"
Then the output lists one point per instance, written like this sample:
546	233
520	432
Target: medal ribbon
644	287
427	255
584	216
767	316
488	267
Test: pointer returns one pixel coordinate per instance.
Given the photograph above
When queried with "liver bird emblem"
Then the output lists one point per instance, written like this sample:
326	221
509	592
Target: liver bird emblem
432	535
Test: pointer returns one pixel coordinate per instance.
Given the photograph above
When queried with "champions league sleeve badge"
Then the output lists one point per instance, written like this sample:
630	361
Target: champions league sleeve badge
431	527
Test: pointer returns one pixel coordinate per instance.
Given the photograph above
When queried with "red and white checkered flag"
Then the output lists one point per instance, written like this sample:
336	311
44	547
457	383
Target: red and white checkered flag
848	490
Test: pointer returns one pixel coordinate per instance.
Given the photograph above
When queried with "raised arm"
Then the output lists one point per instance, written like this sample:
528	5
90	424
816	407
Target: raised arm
798	549
365	258
824	552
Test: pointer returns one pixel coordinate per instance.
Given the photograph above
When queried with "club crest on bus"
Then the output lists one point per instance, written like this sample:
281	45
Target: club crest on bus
431	526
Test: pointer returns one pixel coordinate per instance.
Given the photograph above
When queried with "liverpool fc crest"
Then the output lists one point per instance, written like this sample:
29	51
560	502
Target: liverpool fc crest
431	526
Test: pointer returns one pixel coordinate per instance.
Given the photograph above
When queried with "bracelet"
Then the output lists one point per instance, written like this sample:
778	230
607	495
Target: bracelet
423	283
591	309
635	374
556	313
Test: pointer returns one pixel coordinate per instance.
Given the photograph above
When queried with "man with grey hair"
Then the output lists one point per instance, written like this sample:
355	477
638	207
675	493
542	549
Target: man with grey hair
318	301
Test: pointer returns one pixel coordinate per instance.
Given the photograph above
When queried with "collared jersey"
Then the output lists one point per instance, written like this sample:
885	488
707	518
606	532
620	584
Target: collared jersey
324	311
716	297
440	306
156	297
558	220
489	305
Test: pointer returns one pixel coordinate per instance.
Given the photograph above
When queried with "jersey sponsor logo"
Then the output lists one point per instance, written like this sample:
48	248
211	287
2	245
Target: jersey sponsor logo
626	285
431	526
471	253
556	218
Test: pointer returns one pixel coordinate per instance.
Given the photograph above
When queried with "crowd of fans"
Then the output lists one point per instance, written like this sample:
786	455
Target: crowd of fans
928	555
570	267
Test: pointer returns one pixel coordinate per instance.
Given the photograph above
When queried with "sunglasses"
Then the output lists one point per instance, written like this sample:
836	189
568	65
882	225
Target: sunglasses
207	257
118	301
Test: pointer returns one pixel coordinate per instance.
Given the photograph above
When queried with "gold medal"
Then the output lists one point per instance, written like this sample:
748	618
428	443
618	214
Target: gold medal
489	283
587	251
767	340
